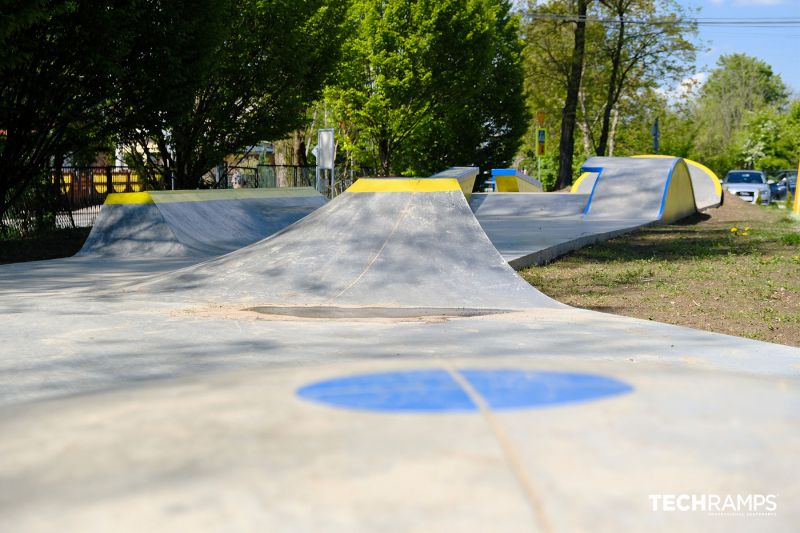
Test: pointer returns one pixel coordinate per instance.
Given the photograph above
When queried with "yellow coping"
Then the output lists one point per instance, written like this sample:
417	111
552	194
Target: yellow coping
711	174
796	205
129	198
579	181
405	185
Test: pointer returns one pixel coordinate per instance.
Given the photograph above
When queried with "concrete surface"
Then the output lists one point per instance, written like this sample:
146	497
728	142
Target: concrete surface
166	404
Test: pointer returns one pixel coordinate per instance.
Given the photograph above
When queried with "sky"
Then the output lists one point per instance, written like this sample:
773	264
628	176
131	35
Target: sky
779	47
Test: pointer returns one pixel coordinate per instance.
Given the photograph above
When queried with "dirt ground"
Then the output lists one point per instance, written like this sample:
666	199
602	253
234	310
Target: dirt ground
734	270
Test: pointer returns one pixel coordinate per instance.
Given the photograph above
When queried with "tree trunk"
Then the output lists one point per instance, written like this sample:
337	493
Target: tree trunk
612	137
613	91
384	156
569	114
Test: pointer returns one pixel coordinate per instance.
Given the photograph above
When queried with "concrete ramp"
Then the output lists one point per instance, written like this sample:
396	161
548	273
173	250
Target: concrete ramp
706	186
646	189
705	183
384	242
194	223
618	195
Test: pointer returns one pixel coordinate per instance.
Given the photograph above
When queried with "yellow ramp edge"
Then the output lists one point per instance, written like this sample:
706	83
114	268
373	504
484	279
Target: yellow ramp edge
129	198
577	184
405	185
679	202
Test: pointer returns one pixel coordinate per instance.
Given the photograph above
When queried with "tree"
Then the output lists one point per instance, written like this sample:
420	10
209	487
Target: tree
212	78
647	44
427	83
57	66
739	87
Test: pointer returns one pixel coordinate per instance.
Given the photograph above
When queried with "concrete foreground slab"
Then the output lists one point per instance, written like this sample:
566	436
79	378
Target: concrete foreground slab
167	402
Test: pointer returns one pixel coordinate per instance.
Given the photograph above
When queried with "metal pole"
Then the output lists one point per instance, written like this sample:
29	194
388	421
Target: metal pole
539	170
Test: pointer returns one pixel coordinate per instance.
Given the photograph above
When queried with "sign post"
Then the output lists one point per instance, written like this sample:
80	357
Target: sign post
541	144
325	152
656	132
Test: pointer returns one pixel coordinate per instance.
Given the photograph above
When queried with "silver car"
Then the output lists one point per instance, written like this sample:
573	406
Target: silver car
749	185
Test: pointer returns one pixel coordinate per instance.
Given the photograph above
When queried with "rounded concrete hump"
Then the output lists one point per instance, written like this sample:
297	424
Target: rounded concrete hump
705	183
643	189
387	242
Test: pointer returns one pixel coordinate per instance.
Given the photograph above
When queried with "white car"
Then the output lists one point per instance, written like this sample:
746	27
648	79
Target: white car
749	185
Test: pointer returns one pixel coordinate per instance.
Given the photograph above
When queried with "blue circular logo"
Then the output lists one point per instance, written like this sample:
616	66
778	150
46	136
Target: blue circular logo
461	390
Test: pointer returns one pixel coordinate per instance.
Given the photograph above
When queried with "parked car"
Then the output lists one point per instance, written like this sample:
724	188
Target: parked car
788	178
777	188
749	185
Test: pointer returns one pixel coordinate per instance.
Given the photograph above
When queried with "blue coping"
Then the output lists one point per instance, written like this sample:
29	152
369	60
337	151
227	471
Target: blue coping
504	172
599	171
666	188
436	390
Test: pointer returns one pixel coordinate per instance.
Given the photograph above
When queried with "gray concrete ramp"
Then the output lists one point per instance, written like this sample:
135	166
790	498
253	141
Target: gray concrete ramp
646	189
705	183
384	242
616	195
194	223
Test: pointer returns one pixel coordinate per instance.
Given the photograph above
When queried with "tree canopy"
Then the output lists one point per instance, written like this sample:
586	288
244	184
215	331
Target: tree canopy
427	84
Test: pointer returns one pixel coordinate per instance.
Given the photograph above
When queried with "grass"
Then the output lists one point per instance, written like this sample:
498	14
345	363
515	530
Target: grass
734	270
51	245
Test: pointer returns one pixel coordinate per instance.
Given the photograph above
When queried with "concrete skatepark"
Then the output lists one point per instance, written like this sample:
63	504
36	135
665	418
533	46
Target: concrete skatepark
377	365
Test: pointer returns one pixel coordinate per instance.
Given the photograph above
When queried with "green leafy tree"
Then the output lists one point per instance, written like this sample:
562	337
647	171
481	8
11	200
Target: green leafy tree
426	84
738	88
58	63
214	77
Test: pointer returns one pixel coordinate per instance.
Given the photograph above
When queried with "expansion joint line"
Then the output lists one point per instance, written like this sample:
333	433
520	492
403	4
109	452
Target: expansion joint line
374	258
504	441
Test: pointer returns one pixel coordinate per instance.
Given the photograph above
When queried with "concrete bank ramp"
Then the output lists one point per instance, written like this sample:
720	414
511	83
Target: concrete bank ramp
646	189
384	242
706	186
194	223
619	195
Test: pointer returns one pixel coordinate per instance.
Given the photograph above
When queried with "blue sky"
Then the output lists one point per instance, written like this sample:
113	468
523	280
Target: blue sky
779	47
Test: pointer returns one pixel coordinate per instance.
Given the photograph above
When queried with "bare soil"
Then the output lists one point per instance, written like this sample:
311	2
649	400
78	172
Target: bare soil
734	270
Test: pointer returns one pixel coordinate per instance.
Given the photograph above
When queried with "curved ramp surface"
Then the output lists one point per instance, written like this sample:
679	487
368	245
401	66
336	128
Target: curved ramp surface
651	190
194	223
387	242
619	196
705	183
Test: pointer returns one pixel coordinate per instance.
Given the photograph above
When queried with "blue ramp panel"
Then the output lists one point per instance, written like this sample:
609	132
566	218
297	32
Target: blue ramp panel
436	390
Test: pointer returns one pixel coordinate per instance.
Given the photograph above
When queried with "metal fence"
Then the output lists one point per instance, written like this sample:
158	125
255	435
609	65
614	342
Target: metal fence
84	189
